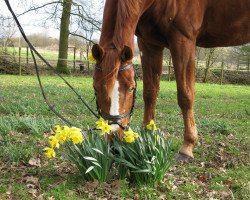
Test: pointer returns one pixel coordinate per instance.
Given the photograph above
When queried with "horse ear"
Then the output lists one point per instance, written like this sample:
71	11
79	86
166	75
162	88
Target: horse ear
127	54
97	52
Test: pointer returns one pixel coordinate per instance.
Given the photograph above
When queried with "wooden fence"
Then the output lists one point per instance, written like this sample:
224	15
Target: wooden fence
77	63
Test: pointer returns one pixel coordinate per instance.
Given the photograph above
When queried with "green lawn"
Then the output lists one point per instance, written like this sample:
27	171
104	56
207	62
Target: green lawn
220	170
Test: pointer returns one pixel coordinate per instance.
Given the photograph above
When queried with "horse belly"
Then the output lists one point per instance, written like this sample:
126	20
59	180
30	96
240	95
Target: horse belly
226	24
151	34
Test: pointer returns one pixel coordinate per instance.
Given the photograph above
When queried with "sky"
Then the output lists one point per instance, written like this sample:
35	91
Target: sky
31	22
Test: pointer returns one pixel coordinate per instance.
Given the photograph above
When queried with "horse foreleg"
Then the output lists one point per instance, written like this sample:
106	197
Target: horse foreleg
183	55
151	59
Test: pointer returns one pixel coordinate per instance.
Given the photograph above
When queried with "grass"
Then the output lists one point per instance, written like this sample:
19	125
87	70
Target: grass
47	54
220	170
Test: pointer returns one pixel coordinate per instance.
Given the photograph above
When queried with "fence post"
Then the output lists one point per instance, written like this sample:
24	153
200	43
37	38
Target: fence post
222	72
80	55
74	67
27	56
19	60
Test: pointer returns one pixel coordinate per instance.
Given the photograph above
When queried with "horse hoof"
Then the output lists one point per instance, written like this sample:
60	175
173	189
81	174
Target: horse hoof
183	158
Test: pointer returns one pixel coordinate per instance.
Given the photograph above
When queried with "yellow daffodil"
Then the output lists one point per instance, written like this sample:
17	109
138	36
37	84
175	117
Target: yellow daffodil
91	58
101	122
54	142
151	126
66	130
58	128
61	133
130	136
75	130
75	135
49	152
103	126
106	129
61	136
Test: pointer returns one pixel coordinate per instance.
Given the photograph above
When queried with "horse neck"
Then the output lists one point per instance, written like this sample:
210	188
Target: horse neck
109	21
120	20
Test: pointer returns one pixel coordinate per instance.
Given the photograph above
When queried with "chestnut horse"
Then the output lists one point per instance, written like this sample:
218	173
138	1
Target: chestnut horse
179	25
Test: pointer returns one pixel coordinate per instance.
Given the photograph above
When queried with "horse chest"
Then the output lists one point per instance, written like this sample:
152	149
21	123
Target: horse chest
150	31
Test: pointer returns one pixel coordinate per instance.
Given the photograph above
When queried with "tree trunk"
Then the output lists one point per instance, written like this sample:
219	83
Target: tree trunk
64	37
208	64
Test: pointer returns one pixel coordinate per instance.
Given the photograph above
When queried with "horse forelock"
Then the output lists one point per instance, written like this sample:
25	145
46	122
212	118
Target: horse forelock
110	65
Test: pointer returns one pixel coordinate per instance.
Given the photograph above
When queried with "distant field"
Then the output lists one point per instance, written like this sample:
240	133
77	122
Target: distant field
47	54
220	170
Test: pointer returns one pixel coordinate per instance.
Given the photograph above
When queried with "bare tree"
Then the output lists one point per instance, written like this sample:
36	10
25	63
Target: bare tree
80	17
210	59
7	31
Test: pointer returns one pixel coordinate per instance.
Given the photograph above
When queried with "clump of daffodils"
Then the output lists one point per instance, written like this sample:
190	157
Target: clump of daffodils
62	134
142	156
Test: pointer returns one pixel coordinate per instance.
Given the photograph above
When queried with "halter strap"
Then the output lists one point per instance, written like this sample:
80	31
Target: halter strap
123	68
114	118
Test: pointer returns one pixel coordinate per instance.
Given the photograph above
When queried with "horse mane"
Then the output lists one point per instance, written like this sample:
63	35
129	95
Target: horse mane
126	20
109	21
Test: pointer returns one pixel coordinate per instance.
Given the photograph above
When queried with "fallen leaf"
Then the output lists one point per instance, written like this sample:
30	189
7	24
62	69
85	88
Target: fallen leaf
203	178
91	186
202	164
70	193
30	186
40	197
115	185
136	197
35	162
163	197
33	192
225	194
32	180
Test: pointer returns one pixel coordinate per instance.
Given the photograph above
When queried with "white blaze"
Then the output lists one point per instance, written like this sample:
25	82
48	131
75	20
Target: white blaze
114	108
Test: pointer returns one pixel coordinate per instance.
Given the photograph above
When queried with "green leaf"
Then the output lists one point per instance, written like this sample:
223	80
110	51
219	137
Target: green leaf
98	151
97	164
126	163
89	169
142	171
90	158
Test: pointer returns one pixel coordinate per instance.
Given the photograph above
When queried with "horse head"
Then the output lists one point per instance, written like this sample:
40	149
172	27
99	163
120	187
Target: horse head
114	84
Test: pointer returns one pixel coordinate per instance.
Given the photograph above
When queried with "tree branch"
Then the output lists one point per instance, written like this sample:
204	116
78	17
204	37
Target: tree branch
77	35
38	7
